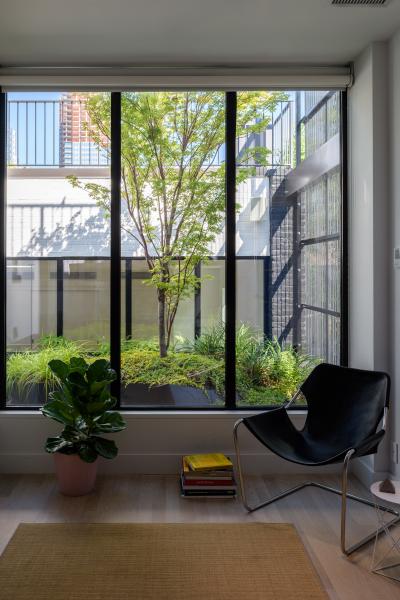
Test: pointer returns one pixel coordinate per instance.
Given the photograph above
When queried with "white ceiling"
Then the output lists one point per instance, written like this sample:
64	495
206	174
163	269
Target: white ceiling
102	32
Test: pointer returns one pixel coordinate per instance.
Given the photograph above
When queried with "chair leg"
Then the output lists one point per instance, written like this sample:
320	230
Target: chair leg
241	478
343	512
343	493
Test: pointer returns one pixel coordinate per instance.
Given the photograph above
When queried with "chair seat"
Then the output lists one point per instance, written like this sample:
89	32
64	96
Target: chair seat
276	431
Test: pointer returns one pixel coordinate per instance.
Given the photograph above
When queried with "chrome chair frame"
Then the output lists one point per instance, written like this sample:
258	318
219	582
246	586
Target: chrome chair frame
340	492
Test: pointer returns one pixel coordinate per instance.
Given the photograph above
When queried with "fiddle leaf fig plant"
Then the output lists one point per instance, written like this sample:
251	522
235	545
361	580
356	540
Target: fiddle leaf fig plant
84	406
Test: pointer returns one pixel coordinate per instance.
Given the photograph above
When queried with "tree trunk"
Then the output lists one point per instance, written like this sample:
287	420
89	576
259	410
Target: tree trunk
162	334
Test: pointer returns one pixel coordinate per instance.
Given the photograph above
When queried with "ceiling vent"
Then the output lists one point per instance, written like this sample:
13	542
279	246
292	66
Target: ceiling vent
359	2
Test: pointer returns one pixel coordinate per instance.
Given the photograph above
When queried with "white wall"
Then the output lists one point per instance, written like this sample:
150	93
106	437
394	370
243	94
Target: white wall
394	117
151	443
369	206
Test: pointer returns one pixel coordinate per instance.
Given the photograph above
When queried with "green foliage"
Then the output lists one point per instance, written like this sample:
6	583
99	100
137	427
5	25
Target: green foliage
83	405
25	369
178	368
261	396
173	189
131	344
267	374
211	342
264	370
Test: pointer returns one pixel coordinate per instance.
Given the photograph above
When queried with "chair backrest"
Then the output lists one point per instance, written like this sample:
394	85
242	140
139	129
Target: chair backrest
344	404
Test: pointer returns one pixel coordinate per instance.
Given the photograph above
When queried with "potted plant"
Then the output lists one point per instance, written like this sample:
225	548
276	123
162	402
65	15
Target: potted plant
83	404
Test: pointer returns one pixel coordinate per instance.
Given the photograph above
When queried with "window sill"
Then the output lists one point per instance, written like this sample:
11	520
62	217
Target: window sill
162	414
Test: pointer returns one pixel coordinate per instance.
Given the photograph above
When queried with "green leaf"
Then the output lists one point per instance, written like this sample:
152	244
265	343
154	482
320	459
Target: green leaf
105	447
77	379
97	387
65	394
73	434
87	453
111	421
81	424
79	406
55	444
99	407
59	395
104	396
59	368
59	411
100	371
78	363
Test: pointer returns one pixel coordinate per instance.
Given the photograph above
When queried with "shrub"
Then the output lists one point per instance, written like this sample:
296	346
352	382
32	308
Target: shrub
25	369
209	343
266	373
131	344
177	368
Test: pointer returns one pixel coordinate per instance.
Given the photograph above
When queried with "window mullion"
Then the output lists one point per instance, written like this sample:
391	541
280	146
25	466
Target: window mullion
3	263
230	267
344	287
115	275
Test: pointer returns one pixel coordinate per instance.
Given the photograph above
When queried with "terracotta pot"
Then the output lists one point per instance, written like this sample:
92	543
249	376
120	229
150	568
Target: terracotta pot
75	477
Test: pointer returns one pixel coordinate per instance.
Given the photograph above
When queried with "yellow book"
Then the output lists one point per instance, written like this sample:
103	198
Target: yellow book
208	462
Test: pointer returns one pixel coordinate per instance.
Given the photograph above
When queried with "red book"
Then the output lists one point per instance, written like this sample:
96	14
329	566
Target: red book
209	482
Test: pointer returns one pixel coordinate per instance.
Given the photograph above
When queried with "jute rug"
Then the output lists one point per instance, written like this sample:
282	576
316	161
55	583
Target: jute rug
213	561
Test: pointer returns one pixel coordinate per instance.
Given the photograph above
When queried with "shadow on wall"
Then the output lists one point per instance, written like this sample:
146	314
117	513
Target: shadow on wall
79	237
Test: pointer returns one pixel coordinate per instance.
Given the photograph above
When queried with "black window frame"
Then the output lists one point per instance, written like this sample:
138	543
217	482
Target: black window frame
115	257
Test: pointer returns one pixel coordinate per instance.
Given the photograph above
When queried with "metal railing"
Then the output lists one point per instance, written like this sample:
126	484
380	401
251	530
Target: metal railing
52	133
56	133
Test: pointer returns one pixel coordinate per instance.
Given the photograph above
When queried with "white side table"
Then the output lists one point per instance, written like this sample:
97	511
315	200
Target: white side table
386	565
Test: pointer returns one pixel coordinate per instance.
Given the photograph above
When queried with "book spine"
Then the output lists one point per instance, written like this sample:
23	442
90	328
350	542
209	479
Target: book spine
219	493
208	476
231	497
196	468
199	488
209	482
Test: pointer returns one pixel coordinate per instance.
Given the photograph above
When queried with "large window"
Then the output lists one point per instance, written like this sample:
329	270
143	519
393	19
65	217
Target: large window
227	242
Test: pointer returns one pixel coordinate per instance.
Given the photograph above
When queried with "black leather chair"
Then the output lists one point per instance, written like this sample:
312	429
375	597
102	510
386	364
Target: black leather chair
345	408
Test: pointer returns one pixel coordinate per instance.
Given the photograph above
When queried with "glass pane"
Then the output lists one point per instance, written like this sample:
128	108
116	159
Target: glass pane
287	240
313	216
58	235
314	332
173	211
144	303
87	302
333	276
313	275
31	302
334	197
333	346
212	298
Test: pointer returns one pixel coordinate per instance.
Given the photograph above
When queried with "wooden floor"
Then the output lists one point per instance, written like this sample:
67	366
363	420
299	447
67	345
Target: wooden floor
316	514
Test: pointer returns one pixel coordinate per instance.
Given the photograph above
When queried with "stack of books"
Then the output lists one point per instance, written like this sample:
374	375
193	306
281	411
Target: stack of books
207	475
